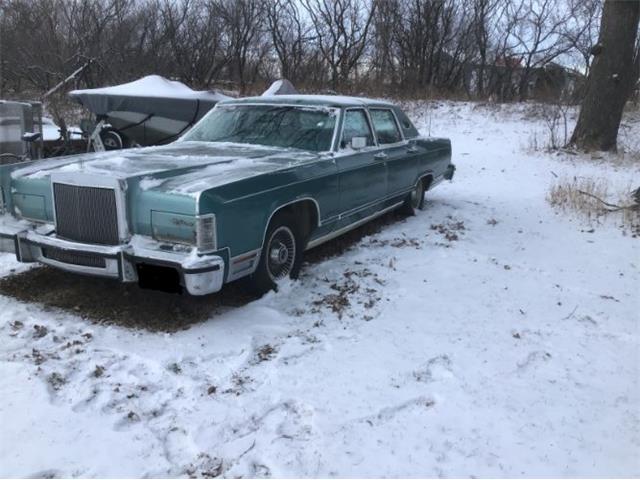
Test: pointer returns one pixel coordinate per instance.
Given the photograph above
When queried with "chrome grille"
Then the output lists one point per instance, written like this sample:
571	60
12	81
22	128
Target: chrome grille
74	258
86	214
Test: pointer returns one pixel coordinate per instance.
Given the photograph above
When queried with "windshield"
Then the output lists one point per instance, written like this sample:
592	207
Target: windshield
305	128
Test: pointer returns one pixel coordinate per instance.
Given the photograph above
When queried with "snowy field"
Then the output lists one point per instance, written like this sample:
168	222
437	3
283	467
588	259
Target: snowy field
490	335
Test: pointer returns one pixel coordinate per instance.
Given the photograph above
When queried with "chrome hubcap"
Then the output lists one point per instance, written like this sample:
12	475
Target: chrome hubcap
281	253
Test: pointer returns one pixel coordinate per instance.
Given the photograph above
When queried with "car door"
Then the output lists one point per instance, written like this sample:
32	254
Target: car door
399	155
362	177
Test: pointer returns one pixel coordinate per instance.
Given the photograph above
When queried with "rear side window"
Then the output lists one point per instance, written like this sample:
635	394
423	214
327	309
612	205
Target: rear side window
384	123
408	128
356	125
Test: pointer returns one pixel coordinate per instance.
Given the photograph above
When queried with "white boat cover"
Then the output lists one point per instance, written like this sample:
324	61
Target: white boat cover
151	95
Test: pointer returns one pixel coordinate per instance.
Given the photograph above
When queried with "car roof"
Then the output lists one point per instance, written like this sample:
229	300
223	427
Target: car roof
311	100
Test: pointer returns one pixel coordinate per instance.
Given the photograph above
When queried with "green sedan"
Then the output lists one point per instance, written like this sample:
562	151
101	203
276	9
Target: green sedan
242	195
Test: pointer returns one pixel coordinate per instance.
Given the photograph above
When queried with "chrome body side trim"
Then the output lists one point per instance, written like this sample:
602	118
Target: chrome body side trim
297	200
244	197
355	210
243	264
337	233
436	180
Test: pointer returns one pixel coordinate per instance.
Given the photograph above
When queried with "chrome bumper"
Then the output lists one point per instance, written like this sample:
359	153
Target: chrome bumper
199	275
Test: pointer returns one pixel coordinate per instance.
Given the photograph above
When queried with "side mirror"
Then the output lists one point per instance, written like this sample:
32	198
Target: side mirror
30	137
358	142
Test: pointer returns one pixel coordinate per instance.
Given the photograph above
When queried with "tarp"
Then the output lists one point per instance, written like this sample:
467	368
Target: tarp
151	95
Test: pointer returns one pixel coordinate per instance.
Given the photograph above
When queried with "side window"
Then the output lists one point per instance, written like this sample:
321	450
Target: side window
355	125
385	125
407	127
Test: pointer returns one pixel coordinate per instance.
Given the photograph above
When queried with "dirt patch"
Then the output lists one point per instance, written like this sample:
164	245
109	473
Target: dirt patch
127	305
451	230
108	301
56	381
265	353
349	290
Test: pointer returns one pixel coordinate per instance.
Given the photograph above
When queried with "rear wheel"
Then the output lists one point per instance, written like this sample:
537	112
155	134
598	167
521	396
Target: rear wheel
415	199
281	256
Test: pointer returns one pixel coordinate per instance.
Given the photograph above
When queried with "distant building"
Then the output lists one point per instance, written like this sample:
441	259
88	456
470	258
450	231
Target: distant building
508	79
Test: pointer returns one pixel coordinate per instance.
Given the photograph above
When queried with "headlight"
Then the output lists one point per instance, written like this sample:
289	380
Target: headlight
199	231
206	238
29	207
173	227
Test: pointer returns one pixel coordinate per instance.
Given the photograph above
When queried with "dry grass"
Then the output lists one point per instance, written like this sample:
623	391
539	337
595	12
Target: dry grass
555	120
594	200
628	138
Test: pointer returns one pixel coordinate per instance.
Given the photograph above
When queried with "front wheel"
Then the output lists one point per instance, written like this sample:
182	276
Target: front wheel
281	254
415	200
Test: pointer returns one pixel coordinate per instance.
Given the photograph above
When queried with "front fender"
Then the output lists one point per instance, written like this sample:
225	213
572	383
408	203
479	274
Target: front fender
243	208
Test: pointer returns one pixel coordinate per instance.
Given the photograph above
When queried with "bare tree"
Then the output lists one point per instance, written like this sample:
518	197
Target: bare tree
583	29
242	26
483	12
540	37
342	30
290	36
483	47
613	72
386	23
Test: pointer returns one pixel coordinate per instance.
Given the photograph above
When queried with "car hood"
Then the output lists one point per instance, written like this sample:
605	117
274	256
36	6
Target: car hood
182	167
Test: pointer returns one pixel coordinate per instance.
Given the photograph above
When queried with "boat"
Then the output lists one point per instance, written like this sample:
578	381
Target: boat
152	110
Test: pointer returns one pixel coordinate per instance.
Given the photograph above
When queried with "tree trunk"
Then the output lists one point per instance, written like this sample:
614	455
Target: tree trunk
610	77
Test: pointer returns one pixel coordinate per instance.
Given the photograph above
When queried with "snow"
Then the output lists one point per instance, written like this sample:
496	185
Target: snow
273	89
206	164
51	131
152	86
147	183
280	87
488	336
329	99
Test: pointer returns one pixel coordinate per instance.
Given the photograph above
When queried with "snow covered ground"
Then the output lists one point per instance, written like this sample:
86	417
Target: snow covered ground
490	335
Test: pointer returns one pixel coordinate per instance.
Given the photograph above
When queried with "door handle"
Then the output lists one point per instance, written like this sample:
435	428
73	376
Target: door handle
412	149
380	156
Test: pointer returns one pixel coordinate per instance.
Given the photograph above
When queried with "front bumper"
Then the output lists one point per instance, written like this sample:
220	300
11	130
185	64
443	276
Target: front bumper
199	275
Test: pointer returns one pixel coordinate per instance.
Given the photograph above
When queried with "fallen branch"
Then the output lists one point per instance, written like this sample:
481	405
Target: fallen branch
68	79
571	314
610	206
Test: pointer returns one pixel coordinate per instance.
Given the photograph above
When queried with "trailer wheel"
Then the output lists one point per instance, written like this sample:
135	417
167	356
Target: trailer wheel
111	139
